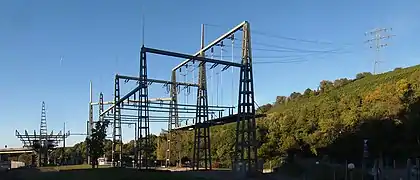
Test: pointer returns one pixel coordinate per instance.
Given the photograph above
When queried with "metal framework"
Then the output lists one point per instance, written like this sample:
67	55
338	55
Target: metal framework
90	123
142	119
143	141
173	121
246	143
43	142
117	132
201	154
245	156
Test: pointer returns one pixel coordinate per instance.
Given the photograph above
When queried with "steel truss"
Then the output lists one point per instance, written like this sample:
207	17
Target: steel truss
245	157
202	153
246	144
43	142
129	102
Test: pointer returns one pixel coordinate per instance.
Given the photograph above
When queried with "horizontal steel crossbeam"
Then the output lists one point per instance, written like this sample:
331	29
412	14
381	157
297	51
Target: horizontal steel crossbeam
187	56
156	81
218	40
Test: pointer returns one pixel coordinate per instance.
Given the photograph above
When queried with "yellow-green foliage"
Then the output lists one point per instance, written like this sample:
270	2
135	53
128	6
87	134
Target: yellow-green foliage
383	108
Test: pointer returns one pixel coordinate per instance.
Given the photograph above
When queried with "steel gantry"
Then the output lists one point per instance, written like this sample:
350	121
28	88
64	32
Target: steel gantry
245	156
137	100
143	105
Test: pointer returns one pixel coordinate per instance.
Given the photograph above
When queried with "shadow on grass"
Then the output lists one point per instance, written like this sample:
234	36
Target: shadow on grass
118	174
92	174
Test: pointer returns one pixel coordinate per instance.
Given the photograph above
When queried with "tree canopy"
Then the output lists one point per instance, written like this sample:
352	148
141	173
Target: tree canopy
332	120
96	142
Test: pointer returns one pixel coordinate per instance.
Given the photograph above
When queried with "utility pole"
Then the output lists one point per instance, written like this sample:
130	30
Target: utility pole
90	123
64	144
378	35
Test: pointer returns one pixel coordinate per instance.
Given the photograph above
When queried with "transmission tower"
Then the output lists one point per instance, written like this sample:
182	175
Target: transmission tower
378	35
43	137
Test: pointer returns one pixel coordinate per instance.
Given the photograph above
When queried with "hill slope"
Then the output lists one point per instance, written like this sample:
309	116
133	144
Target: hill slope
384	109
333	120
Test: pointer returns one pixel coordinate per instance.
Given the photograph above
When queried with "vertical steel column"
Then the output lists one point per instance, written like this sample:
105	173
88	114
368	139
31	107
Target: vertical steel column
246	144
173	121
143	121
90	123
64	144
101	105
116	135
43	137
202	129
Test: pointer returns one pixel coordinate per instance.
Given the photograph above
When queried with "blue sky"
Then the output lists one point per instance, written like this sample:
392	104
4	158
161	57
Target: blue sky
50	50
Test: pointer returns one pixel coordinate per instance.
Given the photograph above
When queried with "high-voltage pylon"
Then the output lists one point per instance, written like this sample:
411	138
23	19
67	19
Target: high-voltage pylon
117	132
246	143
378	35
143	141
43	137
201	155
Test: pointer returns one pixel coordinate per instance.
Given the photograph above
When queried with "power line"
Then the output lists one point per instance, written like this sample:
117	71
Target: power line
284	37
291	60
378	35
284	49
295	49
280	62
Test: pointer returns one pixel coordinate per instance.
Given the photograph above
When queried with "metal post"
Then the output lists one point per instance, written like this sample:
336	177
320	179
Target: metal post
173	117
365	156
117	133
246	145
90	124
408	168
347	169
143	121
417	169
43	137
201	129
64	144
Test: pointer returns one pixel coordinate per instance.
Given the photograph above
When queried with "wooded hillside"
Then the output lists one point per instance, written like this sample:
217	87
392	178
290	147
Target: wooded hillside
332	120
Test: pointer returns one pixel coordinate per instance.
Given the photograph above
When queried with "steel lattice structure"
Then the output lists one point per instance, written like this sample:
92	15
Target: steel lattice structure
43	142
245	158
246	143
137	100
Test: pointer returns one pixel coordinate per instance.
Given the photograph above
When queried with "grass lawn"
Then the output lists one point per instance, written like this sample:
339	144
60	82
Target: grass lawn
80	172
68	167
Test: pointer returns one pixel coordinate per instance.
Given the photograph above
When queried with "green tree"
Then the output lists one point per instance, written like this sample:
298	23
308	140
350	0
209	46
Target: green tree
295	95
308	92
264	108
341	82
281	99
26	158
96	142
325	86
363	74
